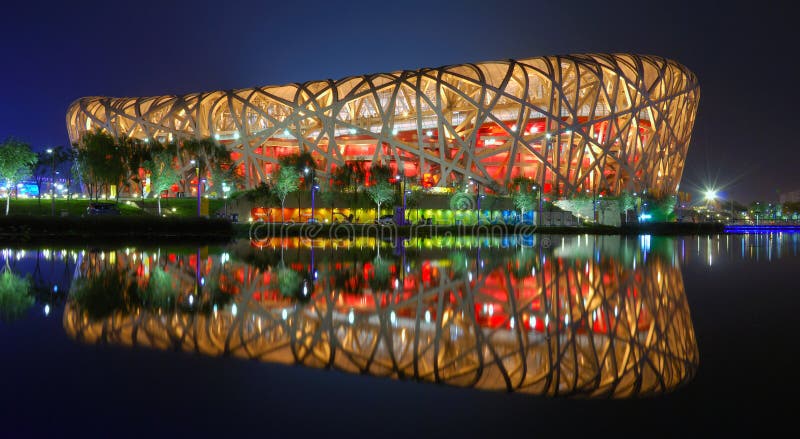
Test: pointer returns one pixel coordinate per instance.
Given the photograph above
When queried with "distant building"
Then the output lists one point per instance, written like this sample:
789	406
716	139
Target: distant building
790	197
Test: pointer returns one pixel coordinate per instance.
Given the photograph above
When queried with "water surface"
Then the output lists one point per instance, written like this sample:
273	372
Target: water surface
455	335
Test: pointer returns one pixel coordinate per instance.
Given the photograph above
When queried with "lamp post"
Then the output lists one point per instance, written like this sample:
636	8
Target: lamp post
314	189
478	203
403	188
52	181
539	212
197	174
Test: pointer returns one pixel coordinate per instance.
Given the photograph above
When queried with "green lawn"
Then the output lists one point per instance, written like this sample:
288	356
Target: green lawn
182	206
73	207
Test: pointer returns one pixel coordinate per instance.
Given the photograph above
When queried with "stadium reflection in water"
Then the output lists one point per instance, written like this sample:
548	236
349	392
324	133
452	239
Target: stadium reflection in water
577	316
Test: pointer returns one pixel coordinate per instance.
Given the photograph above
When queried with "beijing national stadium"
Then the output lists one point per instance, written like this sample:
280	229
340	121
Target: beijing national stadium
594	122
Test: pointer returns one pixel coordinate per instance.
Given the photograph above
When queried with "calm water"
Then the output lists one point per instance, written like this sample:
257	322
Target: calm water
430	337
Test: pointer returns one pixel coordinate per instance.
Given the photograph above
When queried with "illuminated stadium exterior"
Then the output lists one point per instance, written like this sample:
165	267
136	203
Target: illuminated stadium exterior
596	122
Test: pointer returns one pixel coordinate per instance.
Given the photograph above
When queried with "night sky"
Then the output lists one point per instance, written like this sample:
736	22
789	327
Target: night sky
743	141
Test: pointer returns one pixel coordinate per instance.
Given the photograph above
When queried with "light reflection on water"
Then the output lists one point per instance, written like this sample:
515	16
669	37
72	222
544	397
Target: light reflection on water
593	316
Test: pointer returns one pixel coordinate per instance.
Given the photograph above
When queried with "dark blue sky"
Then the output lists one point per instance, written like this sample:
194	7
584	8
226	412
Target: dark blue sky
54	53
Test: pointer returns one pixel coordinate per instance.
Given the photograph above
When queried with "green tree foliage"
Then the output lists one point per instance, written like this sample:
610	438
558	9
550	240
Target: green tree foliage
210	157
105	293
380	190
162	290
288	181
348	177
100	162
523	194
381	274
46	165
461	200
327	196
15	297
135	154
301	162
16	161
661	209
287	281
162	172
261	194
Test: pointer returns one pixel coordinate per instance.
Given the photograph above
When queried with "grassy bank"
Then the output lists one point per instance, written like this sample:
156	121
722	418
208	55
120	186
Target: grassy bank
36	229
74	207
181	207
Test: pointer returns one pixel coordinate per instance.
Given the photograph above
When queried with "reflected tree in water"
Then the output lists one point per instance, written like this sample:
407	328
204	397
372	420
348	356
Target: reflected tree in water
15	297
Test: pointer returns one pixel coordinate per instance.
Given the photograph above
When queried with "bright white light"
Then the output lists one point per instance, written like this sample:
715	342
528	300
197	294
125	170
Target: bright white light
394	131
351	317
284	314
711	194
353	131
234	309
429	133
47	310
236	135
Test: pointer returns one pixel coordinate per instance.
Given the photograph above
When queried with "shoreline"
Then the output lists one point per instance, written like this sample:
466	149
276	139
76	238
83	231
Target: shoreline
121	229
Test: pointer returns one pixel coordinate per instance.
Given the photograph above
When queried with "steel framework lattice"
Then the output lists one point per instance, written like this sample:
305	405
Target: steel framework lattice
576	326
598	122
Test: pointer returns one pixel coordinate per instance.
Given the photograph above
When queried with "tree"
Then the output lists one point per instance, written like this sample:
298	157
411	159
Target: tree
100	161
16	160
301	162
288	182
162	173
46	165
523	195
15	297
380	190
40	171
208	154
135	154
347	177
327	196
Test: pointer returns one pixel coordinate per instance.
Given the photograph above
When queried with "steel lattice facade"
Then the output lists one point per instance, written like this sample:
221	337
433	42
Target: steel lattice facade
597	122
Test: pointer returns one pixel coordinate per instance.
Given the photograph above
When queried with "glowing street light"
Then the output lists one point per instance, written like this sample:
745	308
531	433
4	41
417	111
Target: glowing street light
52	182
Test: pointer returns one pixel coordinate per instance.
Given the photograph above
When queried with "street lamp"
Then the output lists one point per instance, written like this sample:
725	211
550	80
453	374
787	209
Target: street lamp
52	181
314	189
196	165
403	188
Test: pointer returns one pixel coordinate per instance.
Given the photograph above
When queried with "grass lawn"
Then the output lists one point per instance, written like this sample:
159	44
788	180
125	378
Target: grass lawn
185	207
73	207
